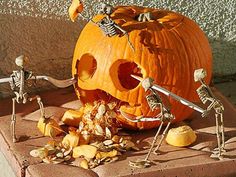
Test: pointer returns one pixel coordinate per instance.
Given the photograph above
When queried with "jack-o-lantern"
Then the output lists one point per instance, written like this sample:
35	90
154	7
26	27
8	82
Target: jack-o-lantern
167	48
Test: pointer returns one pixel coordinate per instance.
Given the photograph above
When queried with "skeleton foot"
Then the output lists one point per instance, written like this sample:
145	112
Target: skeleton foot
216	150
156	152
217	156
14	139
140	163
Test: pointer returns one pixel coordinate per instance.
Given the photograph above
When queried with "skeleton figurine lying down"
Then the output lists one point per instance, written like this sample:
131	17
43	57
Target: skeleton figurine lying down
17	82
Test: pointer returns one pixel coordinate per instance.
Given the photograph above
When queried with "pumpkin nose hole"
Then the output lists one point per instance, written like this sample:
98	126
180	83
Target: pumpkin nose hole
86	67
124	75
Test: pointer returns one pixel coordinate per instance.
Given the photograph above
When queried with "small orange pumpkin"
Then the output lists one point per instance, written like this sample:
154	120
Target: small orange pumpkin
168	48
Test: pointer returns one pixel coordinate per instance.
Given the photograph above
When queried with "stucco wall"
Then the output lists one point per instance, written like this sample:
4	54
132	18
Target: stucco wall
41	29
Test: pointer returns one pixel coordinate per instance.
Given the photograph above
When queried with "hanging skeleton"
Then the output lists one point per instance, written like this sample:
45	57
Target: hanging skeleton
17	82
155	102
109	27
206	96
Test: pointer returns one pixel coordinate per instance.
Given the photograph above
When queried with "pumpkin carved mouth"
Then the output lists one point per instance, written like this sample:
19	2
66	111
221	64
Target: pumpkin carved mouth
120	72
123	106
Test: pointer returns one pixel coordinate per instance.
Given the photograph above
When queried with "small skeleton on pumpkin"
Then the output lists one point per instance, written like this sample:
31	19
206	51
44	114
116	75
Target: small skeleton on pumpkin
106	24
206	95
109	26
154	101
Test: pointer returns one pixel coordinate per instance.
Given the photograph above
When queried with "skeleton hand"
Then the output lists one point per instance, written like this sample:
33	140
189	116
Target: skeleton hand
167	116
205	113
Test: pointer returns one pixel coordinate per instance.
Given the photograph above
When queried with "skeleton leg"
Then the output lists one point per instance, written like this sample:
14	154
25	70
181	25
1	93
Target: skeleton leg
162	137
40	103
221	135
154	141
222	131
13	120
126	34
218	134
130	44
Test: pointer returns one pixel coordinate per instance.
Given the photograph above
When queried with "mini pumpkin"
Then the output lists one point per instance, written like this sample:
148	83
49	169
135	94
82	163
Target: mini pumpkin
168	49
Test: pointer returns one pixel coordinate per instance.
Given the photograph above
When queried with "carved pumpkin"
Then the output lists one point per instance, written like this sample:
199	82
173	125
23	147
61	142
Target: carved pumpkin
168	48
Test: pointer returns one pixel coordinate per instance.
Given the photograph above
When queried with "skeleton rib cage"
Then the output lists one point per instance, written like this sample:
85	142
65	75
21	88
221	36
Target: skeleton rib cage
108	26
16	78
153	101
204	94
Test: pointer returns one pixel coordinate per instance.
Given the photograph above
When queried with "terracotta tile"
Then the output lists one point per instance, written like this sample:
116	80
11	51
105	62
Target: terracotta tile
49	170
192	161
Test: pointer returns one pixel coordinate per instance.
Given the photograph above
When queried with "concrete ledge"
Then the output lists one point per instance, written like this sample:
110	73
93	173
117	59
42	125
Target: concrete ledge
193	161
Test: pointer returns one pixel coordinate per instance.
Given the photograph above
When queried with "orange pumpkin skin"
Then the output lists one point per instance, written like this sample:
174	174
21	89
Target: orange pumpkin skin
168	49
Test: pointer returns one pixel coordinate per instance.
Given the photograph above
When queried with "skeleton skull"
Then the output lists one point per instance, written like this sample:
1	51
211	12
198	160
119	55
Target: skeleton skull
162	51
199	74
147	83
21	60
105	9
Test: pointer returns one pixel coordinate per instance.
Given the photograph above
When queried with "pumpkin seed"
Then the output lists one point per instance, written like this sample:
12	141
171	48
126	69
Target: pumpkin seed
59	155
67	152
98	130
34	153
67	158
111	105
101	109
46	160
108	133
107	142
57	161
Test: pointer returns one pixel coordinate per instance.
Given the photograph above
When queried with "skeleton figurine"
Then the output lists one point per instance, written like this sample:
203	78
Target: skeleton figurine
154	101
17	82
108	26
205	94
